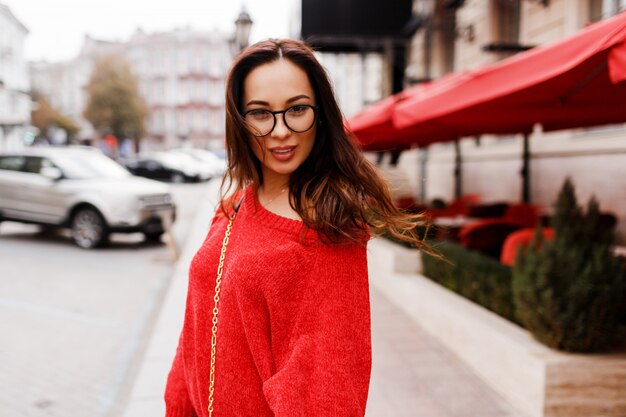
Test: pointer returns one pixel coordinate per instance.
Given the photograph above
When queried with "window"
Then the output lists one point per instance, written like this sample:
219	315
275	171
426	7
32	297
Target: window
448	39
595	10
182	126
12	163
613	7
506	21
191	90
602	9
32	164
191	122
201	122
214	121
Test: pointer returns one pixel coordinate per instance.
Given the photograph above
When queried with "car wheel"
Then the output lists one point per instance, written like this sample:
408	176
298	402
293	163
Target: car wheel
88	228
153	236
177	178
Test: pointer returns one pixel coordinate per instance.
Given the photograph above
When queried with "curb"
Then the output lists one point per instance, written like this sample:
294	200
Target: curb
146	398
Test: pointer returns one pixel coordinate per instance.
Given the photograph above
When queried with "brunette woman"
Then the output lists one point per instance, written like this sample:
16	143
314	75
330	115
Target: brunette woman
278	317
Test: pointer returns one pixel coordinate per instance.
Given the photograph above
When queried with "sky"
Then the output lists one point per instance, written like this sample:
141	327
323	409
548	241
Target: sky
57	27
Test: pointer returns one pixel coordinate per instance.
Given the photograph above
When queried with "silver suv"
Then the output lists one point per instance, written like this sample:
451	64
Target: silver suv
84	190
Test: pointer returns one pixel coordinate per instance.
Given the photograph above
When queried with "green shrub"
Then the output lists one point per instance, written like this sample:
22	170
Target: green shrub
568	291
474	276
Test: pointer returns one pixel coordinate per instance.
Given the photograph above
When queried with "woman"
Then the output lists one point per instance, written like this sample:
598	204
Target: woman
290	292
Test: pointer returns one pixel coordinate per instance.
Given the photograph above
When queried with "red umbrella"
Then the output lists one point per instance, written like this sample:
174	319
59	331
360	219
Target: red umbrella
576	82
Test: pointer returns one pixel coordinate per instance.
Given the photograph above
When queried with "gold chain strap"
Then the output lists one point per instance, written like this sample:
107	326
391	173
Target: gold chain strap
216	298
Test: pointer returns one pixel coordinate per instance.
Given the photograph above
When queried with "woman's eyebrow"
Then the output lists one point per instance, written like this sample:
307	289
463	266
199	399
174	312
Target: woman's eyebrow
292	99
259	102
265	103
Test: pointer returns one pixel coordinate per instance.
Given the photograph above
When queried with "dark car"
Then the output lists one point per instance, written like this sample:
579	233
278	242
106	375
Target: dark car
165	166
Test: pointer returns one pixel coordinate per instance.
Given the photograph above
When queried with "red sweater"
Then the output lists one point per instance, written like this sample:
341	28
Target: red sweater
293	334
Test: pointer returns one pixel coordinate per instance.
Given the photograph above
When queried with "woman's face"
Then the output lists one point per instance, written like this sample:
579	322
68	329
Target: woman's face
277	86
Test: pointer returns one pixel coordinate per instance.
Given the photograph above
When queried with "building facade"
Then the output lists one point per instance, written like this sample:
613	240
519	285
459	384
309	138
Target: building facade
181	77
479	32
15	103
357	79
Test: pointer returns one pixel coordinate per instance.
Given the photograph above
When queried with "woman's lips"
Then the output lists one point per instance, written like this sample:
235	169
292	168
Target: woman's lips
283	153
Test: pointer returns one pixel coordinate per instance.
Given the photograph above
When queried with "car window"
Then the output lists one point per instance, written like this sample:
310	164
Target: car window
32	164
12	163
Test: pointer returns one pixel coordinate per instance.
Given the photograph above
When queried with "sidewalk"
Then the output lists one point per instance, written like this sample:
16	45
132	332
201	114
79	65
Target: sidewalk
412	374
146	398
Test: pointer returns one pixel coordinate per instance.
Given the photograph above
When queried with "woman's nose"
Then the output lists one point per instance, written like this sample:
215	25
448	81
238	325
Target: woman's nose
280	129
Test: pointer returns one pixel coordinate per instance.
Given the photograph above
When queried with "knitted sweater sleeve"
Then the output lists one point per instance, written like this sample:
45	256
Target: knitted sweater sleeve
177	401
323	368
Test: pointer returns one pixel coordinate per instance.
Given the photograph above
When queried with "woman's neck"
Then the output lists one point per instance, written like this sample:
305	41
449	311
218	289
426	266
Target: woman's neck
273	194
273	184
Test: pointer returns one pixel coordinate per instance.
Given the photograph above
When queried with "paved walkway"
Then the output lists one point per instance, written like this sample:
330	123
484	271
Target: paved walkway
412	374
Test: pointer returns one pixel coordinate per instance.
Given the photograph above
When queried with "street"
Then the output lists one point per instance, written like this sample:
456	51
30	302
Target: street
74	321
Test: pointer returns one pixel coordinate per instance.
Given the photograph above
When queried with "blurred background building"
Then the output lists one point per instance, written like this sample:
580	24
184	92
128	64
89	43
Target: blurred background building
181	76
15	103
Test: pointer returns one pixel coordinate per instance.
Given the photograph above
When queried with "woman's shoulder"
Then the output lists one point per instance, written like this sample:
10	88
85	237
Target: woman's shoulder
230	203
347	250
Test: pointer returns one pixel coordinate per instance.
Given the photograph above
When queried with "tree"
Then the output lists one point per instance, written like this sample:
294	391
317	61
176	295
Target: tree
114	104
569	292
45	117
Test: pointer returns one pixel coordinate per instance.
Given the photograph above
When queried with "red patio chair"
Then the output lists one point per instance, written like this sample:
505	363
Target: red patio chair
410	204
519	238
523	214
486	236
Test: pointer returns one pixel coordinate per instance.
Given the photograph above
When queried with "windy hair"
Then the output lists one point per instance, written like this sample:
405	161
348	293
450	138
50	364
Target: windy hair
336	191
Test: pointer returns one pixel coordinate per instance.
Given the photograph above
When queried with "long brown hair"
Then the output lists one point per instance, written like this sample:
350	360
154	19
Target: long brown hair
336	191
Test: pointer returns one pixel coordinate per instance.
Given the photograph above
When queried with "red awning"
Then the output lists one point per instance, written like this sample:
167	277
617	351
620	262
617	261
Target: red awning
374	122
579	81
375	131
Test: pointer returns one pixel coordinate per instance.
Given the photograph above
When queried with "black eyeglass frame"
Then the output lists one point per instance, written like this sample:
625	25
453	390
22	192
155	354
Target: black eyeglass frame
283	112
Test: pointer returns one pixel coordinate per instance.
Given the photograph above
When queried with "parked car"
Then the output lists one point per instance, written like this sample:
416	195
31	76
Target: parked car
84	190
166	166
220	153
215	164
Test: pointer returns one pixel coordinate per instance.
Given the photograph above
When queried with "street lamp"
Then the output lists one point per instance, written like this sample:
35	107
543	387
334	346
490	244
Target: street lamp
242	30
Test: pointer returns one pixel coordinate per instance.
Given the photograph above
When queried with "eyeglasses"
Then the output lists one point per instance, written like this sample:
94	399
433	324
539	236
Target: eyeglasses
299	118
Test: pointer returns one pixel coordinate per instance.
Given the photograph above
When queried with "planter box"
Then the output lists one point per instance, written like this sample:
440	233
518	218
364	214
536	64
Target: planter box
537	380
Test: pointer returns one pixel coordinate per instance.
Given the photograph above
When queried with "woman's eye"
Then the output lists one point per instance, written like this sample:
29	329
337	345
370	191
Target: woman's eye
259	114
298	109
